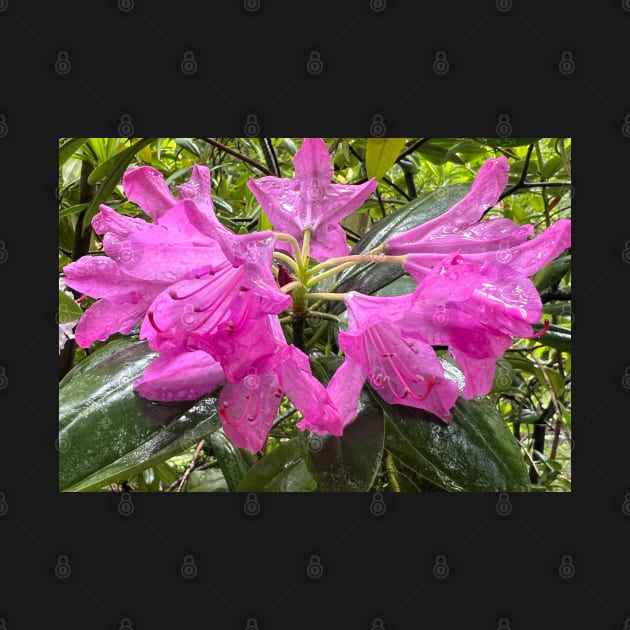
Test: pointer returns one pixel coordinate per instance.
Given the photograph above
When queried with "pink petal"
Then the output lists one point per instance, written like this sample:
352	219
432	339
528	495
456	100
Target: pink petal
486	236
145	186
340	200
479	373
447	325
367	310
344	390
198	189
484	193
329	243
242	349
533	255
401	367
185	376
101	277
195	306
308	395
104	318
312	160
280	200
248	409
161	254
109	221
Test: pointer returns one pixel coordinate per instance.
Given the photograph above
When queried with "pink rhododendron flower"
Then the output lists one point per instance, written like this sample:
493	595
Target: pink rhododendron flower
460	228
309	201
475	310
260	368
396	360
208	299
143	258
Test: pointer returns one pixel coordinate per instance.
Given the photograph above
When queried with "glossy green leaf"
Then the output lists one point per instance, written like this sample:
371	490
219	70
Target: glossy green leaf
107	432
381	154
282	470
474	453
234	462
69	148
551	274
557	337
210	480
348	463
438	155
189	145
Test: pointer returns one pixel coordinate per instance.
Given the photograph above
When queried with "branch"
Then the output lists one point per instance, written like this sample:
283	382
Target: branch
236	154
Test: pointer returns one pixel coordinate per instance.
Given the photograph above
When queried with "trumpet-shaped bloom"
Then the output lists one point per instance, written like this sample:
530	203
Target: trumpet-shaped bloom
396	360
142	259
260	368
475	310
460	228
240	287
309	201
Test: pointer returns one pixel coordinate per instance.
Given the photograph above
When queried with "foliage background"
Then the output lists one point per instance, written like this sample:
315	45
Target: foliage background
532	388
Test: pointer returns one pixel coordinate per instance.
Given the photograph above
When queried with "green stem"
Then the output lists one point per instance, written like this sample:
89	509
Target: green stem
288	260
306	242
317	334
356	259
290	286
283	236
339	297
311	282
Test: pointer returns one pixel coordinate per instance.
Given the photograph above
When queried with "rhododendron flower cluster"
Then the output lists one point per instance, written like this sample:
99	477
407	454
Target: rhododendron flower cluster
211	302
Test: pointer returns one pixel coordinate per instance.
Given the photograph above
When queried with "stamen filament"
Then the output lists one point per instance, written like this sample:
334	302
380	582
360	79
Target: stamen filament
541	332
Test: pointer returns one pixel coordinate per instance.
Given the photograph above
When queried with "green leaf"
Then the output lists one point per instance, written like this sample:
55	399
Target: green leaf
381	154
282	470
69	310
116	166
370	277
66	212
69	148
210	480
557	337
525	365
509	143
551	274
438	155
107	432
348	463
189	145
234	462
474	453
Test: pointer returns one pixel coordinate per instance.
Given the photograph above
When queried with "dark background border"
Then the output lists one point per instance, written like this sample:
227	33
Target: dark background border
554	69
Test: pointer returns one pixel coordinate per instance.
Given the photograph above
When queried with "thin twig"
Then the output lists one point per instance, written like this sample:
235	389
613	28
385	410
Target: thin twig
191	465
240	156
